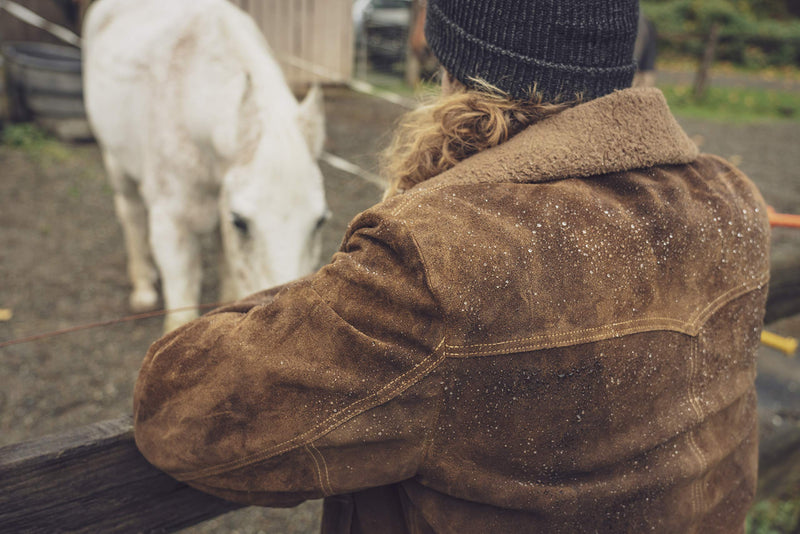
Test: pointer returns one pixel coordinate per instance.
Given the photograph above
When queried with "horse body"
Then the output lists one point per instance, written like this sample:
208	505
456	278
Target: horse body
198	128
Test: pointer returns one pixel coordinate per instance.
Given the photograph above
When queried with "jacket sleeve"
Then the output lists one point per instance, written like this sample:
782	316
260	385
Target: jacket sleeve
315	389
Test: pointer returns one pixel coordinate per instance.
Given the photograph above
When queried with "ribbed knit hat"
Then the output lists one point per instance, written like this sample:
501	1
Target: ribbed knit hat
558	47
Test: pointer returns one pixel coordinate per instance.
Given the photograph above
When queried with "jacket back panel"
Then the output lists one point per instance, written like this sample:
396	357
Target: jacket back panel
601	348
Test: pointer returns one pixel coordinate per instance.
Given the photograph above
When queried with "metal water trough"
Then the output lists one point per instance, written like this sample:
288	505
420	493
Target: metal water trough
44	83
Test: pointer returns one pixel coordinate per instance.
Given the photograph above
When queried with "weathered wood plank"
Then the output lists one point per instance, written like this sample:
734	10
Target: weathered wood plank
314	31
93	479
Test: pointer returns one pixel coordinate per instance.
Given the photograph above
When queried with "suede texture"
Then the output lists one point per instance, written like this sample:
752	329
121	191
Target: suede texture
556	335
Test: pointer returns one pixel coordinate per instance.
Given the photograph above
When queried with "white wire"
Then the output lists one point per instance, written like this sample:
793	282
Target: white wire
26	15
348	167
359	86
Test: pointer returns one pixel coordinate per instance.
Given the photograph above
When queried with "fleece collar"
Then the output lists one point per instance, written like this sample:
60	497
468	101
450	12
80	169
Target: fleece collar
622	131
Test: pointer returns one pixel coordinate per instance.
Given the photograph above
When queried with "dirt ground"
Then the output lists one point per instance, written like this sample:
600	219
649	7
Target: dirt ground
62	264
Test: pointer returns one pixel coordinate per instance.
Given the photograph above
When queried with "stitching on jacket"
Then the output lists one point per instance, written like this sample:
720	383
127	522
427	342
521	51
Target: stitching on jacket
728	296
388	391
318	470
744	436
430	438
690	327
423	261
425	270
324	481
573	335
697	489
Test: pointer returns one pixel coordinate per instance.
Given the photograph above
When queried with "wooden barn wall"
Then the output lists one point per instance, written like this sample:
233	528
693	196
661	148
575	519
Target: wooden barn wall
319	32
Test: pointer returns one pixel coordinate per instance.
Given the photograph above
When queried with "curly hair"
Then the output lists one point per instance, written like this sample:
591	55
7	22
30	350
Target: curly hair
436	136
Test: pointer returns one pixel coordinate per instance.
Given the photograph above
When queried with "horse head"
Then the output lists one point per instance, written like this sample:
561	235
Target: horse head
272	201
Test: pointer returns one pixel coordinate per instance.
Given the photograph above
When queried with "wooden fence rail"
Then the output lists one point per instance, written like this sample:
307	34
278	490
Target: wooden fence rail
93	479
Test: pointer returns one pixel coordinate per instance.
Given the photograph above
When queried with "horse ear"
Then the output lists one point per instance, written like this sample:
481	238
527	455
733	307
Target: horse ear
237	135
311	119
248	129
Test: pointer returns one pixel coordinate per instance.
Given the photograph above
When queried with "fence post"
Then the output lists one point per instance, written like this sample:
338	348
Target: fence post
93	479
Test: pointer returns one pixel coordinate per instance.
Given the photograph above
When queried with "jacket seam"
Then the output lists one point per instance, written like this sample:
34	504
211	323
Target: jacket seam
387	392
741	439
576	336
691	427
732	294
322	469
425	273
572	337
696	490
396	213
425	270
430	438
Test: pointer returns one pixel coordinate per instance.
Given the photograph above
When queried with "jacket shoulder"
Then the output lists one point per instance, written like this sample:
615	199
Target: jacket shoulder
531	265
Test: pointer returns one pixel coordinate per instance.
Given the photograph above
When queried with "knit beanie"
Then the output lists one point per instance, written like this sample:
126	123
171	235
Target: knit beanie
559	47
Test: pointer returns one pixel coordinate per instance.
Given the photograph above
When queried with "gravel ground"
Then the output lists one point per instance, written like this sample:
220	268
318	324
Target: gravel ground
62	264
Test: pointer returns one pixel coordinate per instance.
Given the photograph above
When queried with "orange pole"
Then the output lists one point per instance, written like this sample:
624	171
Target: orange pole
783	219
787	345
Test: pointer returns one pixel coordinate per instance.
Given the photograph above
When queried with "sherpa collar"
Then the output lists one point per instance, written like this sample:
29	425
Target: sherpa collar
624	130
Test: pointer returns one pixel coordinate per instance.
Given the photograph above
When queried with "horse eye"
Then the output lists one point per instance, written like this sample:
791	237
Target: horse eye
239	222
322	220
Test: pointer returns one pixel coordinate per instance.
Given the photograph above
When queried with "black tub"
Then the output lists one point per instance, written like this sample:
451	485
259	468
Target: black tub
43	81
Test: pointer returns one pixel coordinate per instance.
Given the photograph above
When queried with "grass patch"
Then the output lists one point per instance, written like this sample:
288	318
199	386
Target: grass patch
774	517
35	142
24	135
394	82
734	104
669	61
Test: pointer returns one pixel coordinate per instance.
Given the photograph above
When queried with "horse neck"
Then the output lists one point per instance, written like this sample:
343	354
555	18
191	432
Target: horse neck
268	81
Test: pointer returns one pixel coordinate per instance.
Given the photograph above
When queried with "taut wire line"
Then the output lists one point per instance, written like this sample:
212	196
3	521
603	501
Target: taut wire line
110	322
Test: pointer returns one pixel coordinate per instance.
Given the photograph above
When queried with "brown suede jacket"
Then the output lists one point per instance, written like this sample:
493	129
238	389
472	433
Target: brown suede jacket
556	335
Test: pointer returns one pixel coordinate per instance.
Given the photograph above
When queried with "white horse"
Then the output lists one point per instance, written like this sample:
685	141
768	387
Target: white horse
198	128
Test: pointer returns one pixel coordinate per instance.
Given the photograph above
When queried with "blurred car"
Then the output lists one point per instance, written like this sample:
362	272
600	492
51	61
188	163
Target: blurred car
381	29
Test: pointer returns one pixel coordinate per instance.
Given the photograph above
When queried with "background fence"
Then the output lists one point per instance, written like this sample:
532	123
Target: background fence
318	32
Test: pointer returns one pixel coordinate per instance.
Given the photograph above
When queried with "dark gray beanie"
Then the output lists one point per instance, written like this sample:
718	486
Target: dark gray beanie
560	47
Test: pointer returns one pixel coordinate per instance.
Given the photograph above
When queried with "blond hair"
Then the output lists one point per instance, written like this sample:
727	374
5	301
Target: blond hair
434	137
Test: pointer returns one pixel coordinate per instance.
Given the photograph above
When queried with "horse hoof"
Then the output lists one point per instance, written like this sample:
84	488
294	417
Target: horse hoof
144	301
176	319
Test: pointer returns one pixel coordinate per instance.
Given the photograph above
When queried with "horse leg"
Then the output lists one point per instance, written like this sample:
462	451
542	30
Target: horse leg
177	252
132	214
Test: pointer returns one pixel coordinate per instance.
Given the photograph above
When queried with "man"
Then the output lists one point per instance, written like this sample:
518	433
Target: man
549	325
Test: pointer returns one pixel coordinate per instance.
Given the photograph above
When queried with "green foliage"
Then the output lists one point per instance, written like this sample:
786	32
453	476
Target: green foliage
777	9
33	141
747	38
774	517
734	104
24	135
